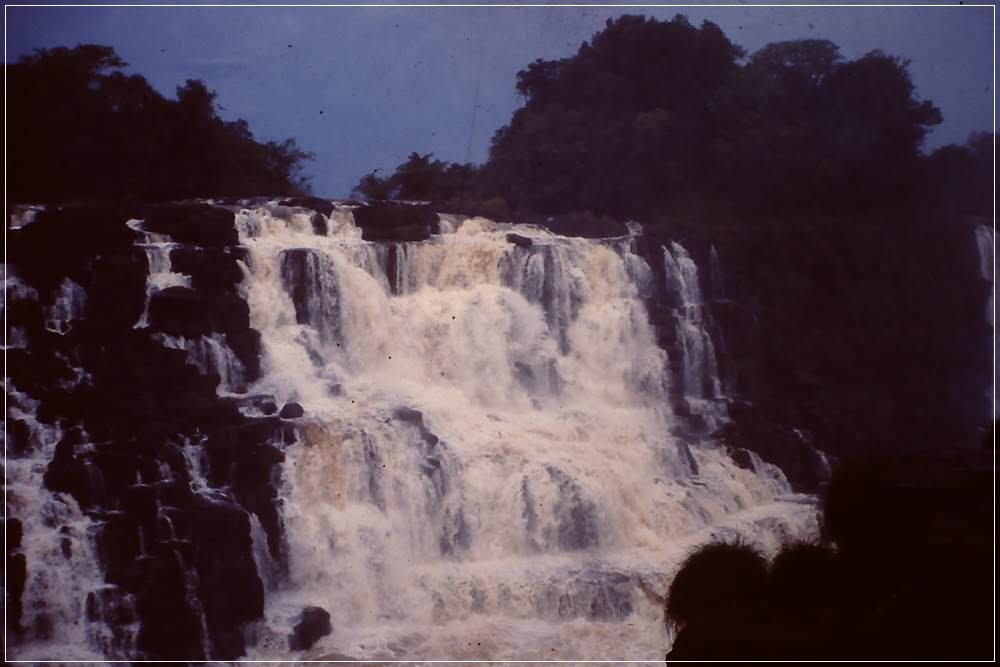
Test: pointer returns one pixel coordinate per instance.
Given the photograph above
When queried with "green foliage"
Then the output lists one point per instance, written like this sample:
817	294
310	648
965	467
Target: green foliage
79	126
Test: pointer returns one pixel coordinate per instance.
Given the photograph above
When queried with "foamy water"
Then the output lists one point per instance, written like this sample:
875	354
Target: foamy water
486	467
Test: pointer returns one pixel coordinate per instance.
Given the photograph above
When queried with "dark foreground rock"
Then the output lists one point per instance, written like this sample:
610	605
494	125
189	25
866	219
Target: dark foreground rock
313	625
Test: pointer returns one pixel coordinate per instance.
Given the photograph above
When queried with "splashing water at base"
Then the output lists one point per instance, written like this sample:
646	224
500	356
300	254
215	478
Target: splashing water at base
66	605
486	468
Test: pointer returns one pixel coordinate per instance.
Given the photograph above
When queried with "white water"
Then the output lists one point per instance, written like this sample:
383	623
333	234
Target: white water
69	302
14	290
24	215
62	565
699	368
161	274
985	244
517	516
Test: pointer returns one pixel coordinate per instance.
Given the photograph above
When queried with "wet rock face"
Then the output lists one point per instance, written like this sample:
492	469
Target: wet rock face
314	624
291	411
61	242
183	311
519	241
323	206
583	224
211	269
177	559
16	574
197	224
778	443
577	527
393	221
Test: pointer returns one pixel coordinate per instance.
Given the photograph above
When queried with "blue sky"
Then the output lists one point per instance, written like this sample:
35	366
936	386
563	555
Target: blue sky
392	80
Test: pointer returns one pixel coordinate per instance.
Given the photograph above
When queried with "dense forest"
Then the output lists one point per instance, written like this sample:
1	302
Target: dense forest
685	119
79	126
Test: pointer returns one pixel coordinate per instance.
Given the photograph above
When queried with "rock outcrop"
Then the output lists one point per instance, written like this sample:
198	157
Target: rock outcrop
169	471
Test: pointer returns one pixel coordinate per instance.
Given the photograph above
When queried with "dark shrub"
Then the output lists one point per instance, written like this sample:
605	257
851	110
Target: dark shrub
716	575
804	574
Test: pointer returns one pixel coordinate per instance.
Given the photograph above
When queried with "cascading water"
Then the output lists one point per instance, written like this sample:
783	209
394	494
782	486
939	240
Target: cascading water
485	469
985	245
67	610
698	376
161	274
210	354
68	304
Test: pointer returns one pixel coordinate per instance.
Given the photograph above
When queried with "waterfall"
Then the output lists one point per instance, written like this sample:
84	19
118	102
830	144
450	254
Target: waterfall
698	375
161	274
211	355
68	304
67	609
985	245
485	467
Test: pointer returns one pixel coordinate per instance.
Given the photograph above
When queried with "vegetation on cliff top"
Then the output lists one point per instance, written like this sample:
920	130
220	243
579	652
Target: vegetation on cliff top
79	126
680	116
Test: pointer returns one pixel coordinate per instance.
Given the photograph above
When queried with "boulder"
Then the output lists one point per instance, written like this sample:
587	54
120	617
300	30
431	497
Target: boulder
245	344
584	225
314	623
116	293
519	241
291	411
315	203
263	403
395	221
229	587
198	224
182	311
211	269
17	574
15	531
169	628
320	228
416	418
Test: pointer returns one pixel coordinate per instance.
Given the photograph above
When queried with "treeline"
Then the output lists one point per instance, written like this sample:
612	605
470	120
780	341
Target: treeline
78	126
653	115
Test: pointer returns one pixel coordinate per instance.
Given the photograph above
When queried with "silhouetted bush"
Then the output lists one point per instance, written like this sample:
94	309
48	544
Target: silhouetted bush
715	576
906	573
803	574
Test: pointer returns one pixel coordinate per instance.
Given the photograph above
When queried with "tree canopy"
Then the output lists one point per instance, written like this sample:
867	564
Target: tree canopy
651	114
79	126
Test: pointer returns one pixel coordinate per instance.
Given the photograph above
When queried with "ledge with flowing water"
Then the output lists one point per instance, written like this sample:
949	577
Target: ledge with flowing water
480	433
